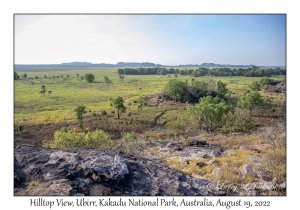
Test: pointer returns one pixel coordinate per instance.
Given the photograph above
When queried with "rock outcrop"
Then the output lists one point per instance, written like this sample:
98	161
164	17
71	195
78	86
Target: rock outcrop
40	172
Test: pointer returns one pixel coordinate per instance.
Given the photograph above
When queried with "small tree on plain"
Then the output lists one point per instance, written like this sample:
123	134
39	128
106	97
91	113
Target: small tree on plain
118	103
108	82
80	110
89	77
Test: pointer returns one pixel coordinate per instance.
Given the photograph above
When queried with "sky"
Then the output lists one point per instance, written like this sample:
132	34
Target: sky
162	39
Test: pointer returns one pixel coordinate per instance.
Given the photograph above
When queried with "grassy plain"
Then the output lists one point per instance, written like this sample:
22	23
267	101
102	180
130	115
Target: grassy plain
67	94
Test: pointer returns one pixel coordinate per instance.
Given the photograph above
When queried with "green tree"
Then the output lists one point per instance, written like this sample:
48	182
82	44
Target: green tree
80	110
118	103
238	120
176	89
89	77
265	81
108	82
16	76
254	86
24	76
121	77
250	100
208	113
221	89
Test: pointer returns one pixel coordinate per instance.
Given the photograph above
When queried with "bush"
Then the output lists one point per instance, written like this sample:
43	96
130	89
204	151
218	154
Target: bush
20	128
89	77
130	121
238	121
131	144
73	138
129	114
254	86
103	111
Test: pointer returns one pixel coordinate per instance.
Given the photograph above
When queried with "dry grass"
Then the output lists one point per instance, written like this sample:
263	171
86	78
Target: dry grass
271	150
33	184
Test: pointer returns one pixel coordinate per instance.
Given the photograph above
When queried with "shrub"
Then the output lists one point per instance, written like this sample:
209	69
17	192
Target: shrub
73	138
130	121
254	86
89	77
129	114
131	144
20	128
238	121
112	111
103	111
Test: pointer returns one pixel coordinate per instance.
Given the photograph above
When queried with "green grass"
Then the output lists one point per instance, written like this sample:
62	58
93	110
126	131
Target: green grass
31	108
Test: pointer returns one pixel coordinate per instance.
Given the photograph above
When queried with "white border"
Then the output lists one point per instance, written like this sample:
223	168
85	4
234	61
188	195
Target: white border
8	8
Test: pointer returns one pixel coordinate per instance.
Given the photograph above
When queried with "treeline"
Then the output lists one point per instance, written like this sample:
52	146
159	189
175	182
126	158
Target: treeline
218	72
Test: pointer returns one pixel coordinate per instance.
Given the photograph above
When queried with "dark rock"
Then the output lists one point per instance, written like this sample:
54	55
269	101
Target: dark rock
215	153
67	172
201	164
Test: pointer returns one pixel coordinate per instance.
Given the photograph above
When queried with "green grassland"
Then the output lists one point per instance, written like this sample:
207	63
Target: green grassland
67	94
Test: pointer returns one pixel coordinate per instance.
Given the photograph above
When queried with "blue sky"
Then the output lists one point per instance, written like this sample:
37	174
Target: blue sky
161	39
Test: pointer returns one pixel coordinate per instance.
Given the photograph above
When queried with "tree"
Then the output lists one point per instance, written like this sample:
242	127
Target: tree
221	89
254	86
108	82
89	77
68	76
43	90
176	89
118	103
80	110
49	92
77	75
24	76
208	113
16	76
121	78
250	100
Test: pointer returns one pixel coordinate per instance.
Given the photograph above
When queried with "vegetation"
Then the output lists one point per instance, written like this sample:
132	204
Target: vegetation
73	138
203	71
131	144
118	103
177	90
254	86
208	113
250	100
80	110
108	82
88	77
16	76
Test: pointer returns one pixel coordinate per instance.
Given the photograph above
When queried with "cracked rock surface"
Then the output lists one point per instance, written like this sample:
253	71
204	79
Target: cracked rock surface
39	171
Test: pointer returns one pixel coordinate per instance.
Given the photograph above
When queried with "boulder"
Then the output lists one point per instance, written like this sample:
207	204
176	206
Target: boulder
215	153
246	170
201	164
256	159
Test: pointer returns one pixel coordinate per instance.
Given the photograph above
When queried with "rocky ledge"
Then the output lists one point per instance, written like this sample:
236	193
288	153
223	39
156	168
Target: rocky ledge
39	172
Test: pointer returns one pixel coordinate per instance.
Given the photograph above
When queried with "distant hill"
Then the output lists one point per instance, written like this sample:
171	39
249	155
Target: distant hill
33	67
